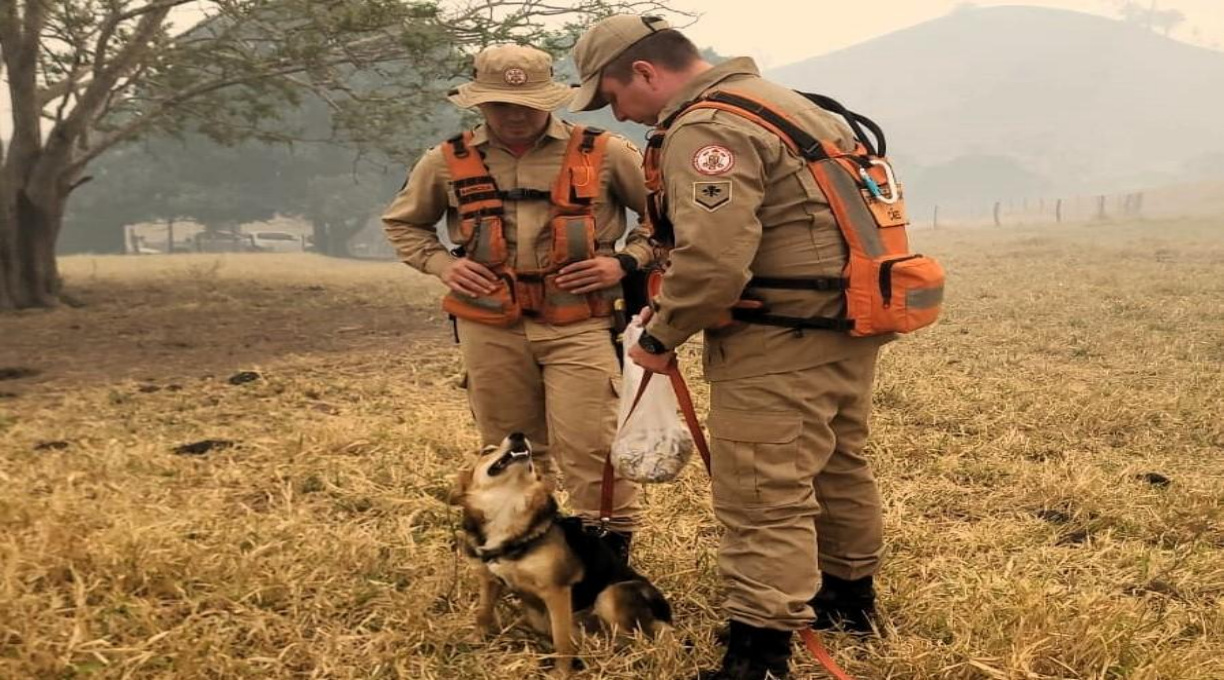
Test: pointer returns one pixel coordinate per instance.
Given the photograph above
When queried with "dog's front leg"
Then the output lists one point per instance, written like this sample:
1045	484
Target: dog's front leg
486	610
561	617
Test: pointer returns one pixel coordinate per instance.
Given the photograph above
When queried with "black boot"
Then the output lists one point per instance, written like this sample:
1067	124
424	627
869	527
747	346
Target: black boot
618	542
753	654
843	605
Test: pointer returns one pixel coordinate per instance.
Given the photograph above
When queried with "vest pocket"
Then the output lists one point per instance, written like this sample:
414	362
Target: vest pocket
484	239
500	308
573	239
561	306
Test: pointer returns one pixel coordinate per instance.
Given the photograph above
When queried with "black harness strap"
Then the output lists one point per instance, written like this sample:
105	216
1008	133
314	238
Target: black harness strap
525	195
589	135
808	283
796	322
456	142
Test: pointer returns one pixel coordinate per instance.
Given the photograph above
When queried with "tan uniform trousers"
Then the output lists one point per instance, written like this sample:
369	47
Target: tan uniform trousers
790	484
562	392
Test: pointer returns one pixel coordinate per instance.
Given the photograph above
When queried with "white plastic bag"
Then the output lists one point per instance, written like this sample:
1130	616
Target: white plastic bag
653	444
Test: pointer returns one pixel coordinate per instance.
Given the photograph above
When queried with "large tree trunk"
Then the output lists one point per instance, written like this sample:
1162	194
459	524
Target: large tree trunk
29	276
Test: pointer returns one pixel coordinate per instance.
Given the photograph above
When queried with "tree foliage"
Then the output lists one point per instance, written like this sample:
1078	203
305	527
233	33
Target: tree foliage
83	76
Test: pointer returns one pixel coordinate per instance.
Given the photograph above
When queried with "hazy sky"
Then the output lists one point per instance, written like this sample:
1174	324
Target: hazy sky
779	32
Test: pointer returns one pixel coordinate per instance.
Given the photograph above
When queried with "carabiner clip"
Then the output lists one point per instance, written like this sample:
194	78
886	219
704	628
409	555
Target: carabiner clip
890	182
871	184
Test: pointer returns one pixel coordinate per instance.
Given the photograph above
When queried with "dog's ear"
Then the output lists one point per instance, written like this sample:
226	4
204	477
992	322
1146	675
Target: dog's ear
461	487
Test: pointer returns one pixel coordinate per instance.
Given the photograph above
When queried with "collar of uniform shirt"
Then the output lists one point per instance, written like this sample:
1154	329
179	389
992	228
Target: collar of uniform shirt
739	66
555	129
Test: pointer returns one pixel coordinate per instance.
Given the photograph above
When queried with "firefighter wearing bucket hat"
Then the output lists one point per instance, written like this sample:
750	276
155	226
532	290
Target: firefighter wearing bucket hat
789	402
536	206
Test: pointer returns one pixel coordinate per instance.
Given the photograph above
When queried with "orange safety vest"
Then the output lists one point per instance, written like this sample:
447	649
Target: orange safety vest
887	288
533	293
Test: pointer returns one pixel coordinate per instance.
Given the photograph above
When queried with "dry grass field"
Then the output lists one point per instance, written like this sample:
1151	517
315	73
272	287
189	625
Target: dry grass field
1051	454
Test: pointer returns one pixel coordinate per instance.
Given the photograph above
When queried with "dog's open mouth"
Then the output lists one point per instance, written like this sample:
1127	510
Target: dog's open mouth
507	459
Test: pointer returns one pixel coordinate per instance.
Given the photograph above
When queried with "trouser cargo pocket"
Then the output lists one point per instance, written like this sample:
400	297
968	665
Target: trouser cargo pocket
754	456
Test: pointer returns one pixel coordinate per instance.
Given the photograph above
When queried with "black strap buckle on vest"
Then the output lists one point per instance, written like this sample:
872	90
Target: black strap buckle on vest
829	283
483	212
457	143
797	323
525	195
589	136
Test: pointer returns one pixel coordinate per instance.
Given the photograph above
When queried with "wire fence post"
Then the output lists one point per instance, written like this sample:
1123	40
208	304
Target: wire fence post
996	213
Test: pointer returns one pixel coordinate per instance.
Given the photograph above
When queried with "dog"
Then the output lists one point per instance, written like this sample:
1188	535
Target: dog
564	574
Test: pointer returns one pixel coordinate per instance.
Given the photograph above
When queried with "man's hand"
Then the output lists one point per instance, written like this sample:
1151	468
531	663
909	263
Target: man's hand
470	278
591	275
655	363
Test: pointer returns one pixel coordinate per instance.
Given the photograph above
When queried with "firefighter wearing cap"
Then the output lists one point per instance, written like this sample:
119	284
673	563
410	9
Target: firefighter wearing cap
536	205
788	409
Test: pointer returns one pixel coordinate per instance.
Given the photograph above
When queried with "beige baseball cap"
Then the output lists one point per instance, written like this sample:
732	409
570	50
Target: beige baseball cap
602	43
514	74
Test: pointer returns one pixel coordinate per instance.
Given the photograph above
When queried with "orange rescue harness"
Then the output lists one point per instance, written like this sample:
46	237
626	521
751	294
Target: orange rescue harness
481	207
887	289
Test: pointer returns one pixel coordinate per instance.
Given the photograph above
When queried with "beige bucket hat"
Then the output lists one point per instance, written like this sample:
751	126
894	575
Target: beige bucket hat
602	43
514	74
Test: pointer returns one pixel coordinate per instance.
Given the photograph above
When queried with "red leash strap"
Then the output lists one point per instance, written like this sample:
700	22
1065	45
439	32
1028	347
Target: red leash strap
690	414
817	648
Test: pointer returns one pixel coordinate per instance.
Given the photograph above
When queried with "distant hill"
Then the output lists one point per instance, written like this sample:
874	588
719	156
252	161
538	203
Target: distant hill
1074	103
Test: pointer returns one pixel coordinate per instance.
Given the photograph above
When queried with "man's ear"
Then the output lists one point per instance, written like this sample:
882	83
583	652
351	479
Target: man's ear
647	70
461	486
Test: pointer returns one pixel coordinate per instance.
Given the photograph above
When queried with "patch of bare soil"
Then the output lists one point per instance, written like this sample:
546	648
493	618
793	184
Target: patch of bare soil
157	337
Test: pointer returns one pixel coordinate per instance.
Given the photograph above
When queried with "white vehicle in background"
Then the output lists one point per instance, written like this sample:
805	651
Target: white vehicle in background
277	242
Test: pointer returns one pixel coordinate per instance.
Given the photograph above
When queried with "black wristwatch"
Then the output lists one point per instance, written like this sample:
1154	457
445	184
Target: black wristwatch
651	344
627	262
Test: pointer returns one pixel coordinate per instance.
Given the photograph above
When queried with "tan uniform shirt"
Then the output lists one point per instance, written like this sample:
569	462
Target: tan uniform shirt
743	204
428	196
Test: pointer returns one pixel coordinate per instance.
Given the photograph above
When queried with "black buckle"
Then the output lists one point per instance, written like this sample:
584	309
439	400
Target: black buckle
525	195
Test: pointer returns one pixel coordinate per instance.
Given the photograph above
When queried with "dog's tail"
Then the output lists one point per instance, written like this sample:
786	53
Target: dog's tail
660	608
633	605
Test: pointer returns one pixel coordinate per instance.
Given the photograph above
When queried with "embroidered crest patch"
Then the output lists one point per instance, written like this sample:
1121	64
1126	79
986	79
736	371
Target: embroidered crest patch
515	76
713	160
712	195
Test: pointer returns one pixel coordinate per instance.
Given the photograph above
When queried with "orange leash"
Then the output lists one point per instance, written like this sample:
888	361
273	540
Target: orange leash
810	639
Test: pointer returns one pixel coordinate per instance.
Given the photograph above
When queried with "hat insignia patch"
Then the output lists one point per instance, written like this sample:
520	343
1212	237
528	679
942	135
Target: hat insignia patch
515	76
713	160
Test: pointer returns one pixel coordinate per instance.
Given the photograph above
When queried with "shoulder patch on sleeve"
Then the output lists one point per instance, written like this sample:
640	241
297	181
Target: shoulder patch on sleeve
713	160
712	195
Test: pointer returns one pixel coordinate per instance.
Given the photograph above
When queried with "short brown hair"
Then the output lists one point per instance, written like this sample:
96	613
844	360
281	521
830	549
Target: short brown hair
668	48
